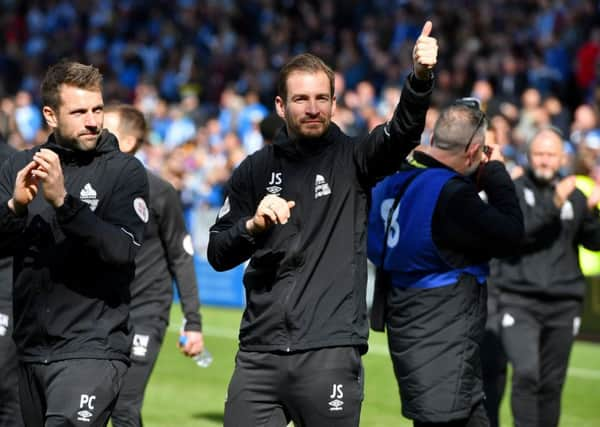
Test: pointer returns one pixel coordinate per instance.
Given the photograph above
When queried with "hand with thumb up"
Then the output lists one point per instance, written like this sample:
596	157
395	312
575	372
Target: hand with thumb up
425	53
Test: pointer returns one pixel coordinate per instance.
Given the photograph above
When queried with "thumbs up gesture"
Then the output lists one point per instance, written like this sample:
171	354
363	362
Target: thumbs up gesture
425	53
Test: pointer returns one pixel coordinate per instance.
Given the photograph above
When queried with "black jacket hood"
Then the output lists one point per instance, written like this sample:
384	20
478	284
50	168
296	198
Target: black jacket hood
303	147
107	142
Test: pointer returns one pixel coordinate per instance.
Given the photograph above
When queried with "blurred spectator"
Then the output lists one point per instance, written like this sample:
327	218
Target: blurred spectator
180	130
185	63
28	118
511	82
587	61
528	117
559	116
585	120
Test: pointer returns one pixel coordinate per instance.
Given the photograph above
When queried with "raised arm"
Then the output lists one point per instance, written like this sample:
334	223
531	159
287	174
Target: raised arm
383	150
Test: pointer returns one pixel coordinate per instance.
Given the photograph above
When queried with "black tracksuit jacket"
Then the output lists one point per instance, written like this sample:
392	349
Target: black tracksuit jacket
305	282
165	255
5	263
547	263
73	265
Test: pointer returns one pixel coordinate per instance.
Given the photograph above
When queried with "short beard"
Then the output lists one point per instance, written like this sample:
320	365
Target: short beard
543	176
72	143
296	133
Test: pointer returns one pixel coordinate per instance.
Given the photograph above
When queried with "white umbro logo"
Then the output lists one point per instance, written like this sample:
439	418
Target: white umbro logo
84	416
336	405
274	183
88	195
321	187
337	394
86	405
274	189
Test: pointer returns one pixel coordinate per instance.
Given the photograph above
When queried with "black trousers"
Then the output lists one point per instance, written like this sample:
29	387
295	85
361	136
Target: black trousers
73	392
317	388
147	340
493	360
10	410
538	335
476	418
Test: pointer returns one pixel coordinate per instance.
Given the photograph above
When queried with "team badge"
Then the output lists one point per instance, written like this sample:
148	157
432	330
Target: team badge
141	209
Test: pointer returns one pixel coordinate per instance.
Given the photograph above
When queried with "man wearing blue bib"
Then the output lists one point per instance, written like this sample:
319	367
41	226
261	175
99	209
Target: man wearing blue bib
431	236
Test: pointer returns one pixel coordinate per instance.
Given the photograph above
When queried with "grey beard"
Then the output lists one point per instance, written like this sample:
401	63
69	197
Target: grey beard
543	176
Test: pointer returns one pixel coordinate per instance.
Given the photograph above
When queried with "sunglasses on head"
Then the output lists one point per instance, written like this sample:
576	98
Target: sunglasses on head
475	105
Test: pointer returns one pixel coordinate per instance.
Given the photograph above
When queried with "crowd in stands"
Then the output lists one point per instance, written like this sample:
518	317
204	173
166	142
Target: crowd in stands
204	72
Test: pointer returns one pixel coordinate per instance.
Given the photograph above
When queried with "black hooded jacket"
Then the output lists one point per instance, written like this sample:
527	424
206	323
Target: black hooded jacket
547	263
73	265
306	280
5	263
166	255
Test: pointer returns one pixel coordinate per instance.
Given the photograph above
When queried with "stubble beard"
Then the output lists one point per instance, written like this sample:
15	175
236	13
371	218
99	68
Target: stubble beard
79	143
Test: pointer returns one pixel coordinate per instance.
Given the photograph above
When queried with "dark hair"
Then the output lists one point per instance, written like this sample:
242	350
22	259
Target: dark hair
270	125
131	121
68	73
305	62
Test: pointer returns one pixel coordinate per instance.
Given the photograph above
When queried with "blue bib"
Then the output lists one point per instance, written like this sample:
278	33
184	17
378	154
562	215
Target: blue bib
412	258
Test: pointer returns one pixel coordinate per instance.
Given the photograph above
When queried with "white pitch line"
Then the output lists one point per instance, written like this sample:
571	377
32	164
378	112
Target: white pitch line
585	373
382	350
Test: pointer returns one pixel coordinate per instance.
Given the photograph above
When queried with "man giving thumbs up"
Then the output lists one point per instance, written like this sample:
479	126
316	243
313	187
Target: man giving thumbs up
297	210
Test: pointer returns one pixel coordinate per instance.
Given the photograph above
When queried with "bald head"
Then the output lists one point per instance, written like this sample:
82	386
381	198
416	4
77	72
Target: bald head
454	127
458	139
546	154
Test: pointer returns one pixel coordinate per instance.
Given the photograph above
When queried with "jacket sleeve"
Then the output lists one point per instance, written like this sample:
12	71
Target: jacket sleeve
466	223
11	226
117	236
381	153
589	231
539	217
179	252
229	242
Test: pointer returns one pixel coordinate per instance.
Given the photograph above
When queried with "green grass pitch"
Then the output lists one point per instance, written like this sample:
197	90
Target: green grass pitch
180	394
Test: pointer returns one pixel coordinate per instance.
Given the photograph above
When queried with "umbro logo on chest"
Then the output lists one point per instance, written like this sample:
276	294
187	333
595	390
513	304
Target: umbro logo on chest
274	185
275	181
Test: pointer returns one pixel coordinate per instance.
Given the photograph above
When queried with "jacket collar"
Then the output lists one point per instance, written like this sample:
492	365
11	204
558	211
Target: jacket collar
306	147
425	160
538	182
107	142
